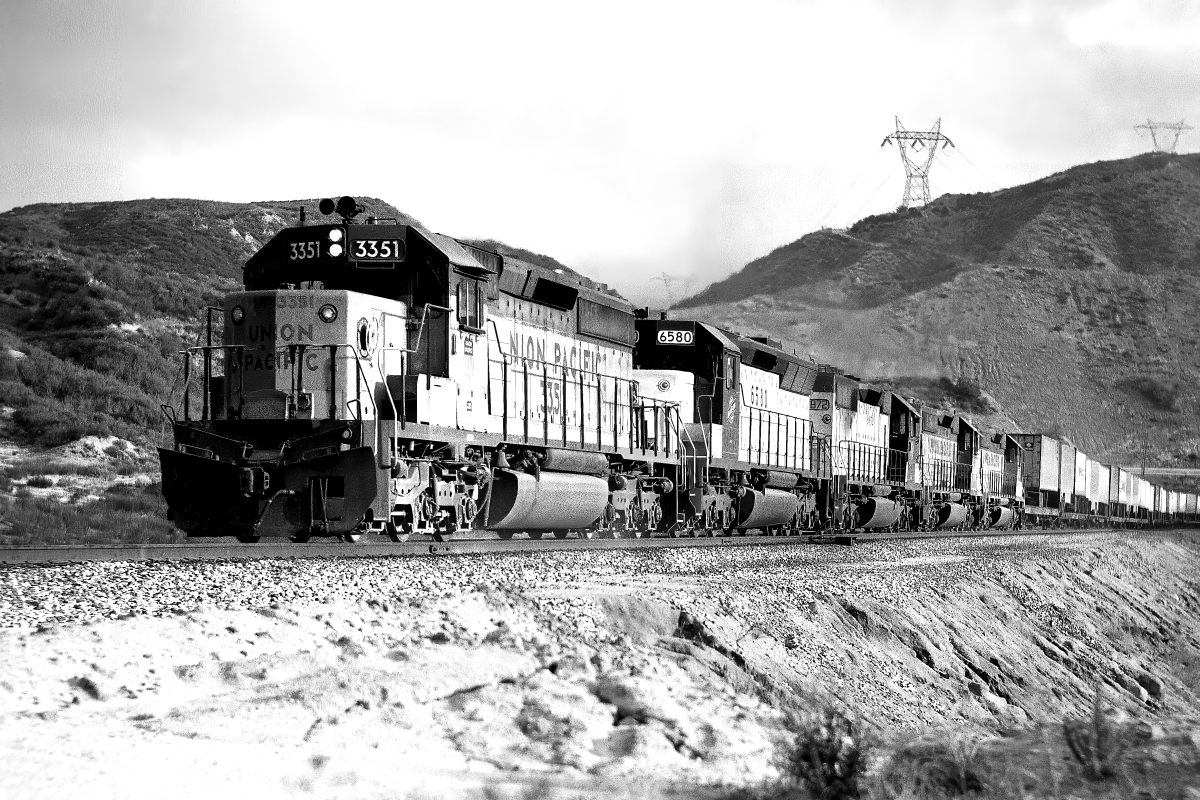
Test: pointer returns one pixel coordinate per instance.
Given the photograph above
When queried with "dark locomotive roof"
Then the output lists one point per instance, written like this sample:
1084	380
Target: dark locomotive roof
598	313
795	374
844	388
912	405
275	266
936	421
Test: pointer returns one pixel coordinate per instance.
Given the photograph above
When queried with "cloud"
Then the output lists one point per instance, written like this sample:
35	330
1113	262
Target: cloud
626	138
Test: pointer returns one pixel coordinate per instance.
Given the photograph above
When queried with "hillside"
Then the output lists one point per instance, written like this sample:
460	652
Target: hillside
97	299
1066	305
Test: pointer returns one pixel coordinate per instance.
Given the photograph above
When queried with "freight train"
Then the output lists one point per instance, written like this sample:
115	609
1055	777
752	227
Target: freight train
375	378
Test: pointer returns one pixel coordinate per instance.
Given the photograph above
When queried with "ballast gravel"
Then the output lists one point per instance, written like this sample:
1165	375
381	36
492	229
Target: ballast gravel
32	595
642	673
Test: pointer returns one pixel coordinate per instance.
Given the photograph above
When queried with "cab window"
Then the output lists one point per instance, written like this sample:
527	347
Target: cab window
470	304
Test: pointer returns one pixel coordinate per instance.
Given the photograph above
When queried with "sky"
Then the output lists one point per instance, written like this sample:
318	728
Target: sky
630	140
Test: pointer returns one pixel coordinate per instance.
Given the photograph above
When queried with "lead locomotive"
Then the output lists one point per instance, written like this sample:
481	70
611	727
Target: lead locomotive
377	377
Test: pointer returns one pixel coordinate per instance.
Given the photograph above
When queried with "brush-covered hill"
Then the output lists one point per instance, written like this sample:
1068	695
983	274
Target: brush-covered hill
97	299
1068	305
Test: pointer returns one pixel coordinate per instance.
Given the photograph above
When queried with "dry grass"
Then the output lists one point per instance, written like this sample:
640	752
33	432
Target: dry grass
122	515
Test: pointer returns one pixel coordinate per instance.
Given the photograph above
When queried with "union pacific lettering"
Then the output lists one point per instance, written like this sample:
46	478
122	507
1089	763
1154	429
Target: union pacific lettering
286	332
577	356
281	358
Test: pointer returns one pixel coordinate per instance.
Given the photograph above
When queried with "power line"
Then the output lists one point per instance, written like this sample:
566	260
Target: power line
872	197
847	192
977	169
961	179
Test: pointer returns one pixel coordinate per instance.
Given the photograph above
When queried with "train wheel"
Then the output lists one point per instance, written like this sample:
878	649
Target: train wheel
561	534
247	538
395	533
300	537
535	535
505	535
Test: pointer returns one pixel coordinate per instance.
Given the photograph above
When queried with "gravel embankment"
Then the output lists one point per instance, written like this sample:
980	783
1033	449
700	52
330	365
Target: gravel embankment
32	595
641	673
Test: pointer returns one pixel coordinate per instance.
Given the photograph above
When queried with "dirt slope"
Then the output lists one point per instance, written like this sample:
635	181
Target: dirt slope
629	675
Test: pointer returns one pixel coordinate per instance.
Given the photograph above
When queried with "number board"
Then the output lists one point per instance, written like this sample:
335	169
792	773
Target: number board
676	333
818	404
676	337
301	251
383	252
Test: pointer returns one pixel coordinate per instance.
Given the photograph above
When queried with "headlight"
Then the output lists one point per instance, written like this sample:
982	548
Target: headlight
327	313
237	315
335	234
335	250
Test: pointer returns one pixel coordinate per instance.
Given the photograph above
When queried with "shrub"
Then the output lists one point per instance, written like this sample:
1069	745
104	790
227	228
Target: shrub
965	395
829	756
1159	394
1096	742
949	764
49	465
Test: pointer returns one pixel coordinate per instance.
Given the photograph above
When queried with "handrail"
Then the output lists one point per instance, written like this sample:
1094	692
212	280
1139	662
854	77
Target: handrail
294	364
557	373
206	350
874	462
544	363
424	316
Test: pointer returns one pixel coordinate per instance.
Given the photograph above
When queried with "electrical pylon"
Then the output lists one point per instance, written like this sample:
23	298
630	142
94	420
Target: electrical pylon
916	187
1154	127
667	280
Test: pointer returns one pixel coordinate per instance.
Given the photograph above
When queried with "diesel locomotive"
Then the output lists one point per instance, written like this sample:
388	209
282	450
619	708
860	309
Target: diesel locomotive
373	377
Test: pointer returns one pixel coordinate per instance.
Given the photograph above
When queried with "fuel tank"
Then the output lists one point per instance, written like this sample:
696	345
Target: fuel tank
584	463
1000	517
781	480
768	507
952	515
553	500
878	512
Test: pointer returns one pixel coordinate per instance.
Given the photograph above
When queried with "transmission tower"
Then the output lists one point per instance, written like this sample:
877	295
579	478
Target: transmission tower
667	280
916	187
1165	128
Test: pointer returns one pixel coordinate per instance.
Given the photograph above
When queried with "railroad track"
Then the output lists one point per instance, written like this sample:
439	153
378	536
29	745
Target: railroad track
211	551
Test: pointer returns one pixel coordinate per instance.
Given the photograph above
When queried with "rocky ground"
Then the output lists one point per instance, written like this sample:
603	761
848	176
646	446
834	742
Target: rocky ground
666	673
